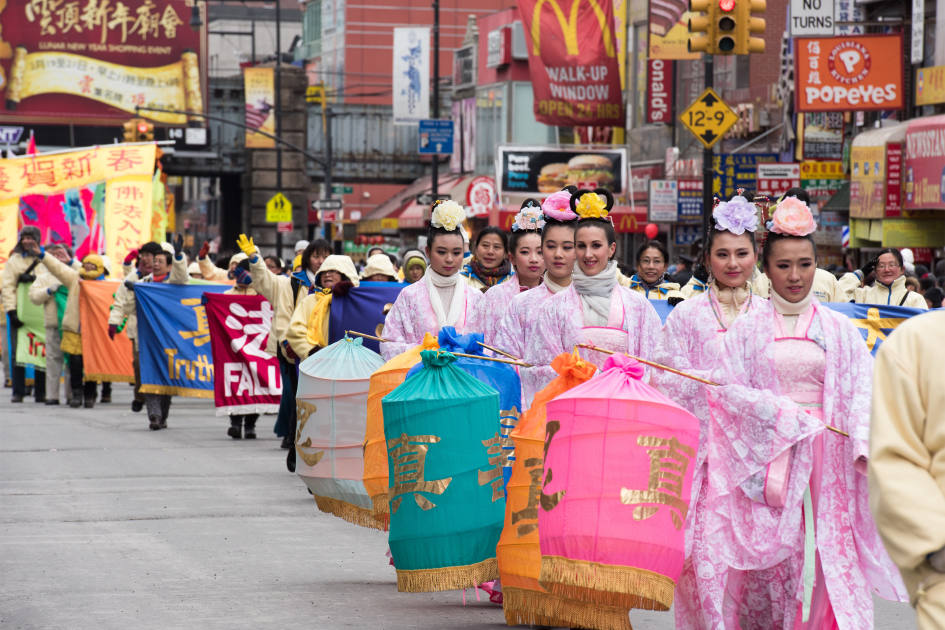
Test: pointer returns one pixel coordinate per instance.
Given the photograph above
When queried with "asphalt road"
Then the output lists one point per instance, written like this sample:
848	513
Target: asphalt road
105	524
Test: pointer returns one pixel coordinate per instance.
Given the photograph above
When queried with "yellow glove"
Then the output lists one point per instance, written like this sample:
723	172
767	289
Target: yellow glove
246	245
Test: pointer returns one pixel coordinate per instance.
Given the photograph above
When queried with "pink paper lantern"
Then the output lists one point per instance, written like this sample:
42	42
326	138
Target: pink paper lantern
616	489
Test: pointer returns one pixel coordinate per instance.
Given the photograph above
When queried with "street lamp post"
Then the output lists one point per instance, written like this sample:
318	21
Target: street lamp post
435	172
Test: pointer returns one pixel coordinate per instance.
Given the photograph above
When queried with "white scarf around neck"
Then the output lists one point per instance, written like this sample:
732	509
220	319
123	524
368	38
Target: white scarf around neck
434	281
595	291
553	286
790	311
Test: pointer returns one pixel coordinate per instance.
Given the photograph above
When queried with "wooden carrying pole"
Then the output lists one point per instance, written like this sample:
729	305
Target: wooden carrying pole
683	374
458	354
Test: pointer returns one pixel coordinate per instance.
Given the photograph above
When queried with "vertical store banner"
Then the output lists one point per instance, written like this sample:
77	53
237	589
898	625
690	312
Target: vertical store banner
659	93
96	199
103	359
411	78
576	79
848	73
174	351
925	164
246	379
95	61
259	88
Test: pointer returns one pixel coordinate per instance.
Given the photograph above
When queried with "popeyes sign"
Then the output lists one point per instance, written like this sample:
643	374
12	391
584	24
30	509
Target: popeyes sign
849	73
576	79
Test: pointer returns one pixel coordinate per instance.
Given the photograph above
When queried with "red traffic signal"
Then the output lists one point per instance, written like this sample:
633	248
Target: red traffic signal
143	127
727	5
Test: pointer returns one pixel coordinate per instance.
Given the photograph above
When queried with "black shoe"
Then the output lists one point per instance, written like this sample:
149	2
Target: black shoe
286	442
234	430
105	399
154	423
137	405
290	460
89	403
40	399
52	401
17	398
75	403
249	429
163	423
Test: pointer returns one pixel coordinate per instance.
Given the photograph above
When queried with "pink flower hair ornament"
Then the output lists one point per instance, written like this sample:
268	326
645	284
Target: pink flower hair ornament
557	206
738	215
792	217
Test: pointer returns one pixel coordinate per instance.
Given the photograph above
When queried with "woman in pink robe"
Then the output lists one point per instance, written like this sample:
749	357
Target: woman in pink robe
515	332
594	309
787	510
441	297
525	254
691	341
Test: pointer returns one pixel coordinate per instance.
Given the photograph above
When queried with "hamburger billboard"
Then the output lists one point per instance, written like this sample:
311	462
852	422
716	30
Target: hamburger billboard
538	171
92	62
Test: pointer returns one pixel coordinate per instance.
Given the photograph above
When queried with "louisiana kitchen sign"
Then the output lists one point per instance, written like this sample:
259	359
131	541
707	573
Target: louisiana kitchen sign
576	79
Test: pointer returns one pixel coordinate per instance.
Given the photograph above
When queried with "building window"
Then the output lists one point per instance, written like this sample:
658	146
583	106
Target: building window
312	25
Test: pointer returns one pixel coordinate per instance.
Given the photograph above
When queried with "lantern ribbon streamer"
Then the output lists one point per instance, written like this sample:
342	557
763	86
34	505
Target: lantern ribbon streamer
683	374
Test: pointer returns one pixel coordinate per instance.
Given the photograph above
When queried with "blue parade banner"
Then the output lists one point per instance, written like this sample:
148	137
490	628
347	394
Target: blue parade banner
174	339
875	321
363	310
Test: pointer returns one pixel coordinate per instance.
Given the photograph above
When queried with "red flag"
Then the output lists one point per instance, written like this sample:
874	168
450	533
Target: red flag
31	146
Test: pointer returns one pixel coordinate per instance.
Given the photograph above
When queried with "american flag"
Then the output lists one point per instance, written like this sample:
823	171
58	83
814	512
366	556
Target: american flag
256	115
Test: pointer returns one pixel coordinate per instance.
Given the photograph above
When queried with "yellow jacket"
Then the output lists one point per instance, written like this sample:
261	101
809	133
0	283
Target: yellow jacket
878	293
40	296
211	272
116	313
663	291
308	328
17	264
907	447
69	278
278	290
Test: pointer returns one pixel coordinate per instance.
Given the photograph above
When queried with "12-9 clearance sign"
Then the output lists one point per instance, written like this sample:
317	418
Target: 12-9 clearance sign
849	73
576	79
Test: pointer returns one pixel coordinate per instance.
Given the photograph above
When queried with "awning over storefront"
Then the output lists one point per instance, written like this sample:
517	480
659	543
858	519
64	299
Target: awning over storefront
925	164
876	172
911	232
840	201
403	206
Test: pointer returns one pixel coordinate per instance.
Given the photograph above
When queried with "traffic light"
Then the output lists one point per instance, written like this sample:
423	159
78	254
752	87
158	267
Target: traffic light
724	27
145	130
747	25
130	133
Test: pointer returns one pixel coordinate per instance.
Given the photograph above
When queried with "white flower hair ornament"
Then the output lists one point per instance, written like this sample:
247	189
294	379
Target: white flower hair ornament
529	217
447	215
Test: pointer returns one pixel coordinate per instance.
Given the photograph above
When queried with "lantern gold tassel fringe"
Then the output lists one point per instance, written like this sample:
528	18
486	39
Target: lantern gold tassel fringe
625	587
447	578
351	513
381	504
526	607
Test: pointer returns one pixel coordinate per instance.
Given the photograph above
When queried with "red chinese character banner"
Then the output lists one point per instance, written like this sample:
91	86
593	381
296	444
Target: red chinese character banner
95	61
245	378
576	78
97	199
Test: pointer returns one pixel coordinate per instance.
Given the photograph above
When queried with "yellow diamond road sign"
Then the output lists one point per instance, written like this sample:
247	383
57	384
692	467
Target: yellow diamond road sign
279	209
708	118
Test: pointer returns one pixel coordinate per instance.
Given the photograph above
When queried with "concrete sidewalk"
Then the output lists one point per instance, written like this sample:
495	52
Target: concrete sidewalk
105	524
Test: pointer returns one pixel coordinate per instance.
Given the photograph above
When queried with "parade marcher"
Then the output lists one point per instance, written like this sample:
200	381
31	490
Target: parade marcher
379	268
48	292
489	264
415	264
92	268
300	246
525	254
275	265
193	270
241	425
21	268
907	446
691	341
122	315
650	278
594	309
787	510
308	328
169	266
443	297
516	330
889	287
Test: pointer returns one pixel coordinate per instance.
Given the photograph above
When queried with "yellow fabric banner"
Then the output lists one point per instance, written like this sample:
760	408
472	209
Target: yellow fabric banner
163	87
127	214
9	210
158	208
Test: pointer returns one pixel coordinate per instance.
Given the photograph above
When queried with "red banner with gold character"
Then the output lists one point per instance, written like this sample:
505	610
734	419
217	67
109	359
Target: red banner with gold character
573	59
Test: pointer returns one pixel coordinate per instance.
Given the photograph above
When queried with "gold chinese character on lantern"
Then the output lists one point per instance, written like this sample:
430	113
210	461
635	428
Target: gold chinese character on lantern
669	460
527	517
496	460
549	501
409	455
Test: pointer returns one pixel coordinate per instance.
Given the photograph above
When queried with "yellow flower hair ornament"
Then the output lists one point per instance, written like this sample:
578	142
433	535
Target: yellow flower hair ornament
447	215
592	204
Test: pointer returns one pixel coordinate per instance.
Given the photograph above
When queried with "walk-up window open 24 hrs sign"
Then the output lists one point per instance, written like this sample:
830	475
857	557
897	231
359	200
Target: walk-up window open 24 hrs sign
573	61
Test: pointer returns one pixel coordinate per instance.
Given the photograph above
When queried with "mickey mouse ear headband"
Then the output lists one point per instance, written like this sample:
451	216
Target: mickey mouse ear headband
592	204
